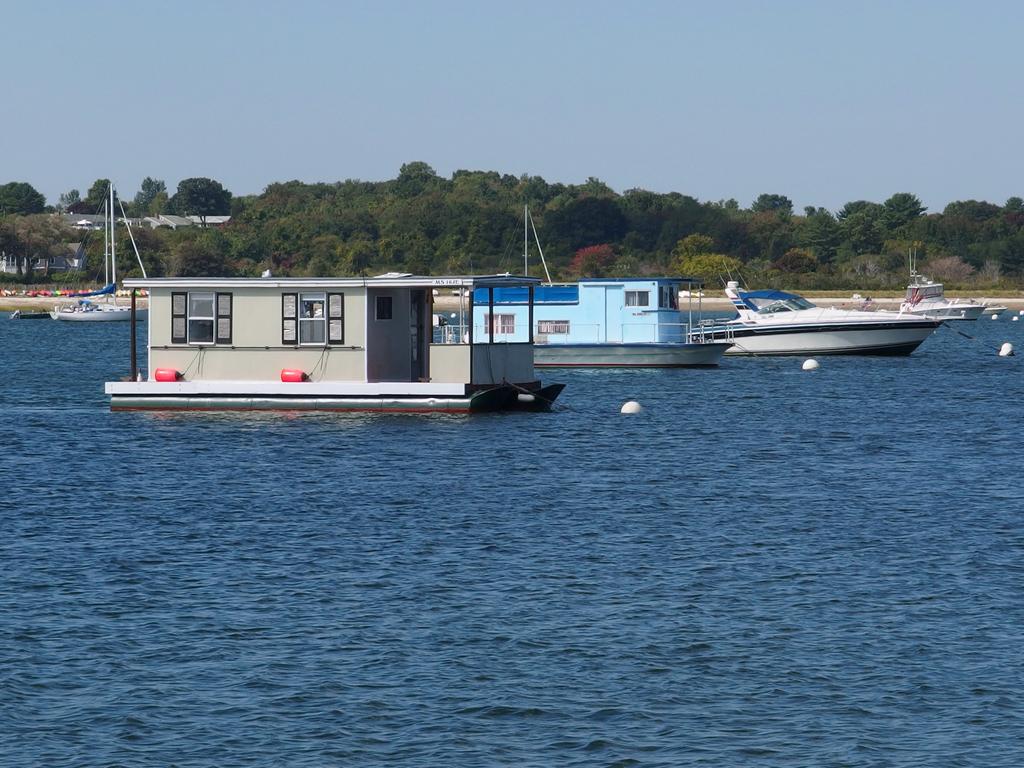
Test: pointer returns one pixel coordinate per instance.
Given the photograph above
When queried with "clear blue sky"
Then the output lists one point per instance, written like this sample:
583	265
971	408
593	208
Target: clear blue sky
822	101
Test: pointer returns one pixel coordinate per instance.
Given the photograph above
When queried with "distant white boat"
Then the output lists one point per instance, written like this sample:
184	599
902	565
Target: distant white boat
928	299
88	311
780	323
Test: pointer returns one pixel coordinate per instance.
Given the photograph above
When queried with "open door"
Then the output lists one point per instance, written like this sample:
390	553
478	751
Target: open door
418	334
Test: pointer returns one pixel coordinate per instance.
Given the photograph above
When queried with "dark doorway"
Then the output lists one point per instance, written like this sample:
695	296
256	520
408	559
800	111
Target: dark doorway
418	334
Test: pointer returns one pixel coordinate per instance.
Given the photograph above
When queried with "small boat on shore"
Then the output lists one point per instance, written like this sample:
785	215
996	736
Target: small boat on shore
335	344
21	314
780	323
602	323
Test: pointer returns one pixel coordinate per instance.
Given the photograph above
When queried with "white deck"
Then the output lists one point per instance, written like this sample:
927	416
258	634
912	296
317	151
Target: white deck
280	388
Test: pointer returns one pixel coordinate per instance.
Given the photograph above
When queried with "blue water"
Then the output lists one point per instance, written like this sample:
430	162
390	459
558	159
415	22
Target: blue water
766	567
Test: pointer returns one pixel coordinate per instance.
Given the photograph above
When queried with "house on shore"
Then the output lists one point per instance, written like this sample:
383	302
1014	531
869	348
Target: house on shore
69	257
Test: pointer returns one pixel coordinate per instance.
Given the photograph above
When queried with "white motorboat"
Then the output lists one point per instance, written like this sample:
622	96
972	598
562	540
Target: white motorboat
87	311
780	323
926	298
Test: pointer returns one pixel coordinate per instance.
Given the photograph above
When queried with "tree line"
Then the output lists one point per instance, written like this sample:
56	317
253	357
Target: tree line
472	222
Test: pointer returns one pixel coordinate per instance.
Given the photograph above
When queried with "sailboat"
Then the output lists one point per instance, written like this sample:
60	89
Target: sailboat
87	311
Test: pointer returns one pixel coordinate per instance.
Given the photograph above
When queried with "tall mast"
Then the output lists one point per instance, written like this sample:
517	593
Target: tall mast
526	239
106	245
113	258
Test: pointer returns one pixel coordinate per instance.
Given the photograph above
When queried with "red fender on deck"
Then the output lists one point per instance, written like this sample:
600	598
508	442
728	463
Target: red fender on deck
292	375
167	374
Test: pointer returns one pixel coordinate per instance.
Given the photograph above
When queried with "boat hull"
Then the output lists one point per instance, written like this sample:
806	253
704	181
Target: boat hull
152	396
118	315
645	355
889	339
951	312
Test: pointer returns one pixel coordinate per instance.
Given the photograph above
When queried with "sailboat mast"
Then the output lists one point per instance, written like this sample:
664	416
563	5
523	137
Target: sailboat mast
526	240
106	245
113	258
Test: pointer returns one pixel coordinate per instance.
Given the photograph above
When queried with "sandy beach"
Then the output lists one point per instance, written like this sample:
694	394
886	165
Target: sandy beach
46	303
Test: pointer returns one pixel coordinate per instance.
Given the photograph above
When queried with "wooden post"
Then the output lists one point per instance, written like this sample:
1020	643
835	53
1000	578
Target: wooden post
529	320
134	365
490	317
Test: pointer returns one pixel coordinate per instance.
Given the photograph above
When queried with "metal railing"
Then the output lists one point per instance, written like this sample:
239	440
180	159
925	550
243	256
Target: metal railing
705	332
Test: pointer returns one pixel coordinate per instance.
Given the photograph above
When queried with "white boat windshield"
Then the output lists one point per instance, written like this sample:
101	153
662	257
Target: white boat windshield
918	292
773	306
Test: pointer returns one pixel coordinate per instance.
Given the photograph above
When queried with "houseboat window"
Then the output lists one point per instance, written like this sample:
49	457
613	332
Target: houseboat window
383	308
504	325
667	297
552	326
312	318
638	298
200	318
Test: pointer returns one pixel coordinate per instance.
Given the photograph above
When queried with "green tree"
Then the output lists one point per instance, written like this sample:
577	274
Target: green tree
197	257
900	209
587	221
20	197
821	233
147	193
201	197
693	245
861	226
855	206
415	178
707	266
98	194
68	199
773	204
796	260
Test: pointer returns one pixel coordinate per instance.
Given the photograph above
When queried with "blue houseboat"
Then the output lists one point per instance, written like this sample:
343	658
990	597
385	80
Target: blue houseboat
600	322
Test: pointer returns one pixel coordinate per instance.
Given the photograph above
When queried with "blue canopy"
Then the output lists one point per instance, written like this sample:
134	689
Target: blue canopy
106	289
542	294
769	294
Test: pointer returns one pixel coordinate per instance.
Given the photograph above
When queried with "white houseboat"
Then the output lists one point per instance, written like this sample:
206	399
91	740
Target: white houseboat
324	344
603	322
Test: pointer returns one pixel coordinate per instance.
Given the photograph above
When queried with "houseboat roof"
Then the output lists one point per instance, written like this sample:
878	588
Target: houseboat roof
569	293
390	280
692	281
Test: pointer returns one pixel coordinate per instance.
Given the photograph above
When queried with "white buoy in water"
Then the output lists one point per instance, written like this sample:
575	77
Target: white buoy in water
1016	318
810	364
631	406
1006	350
1021	312
995	317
